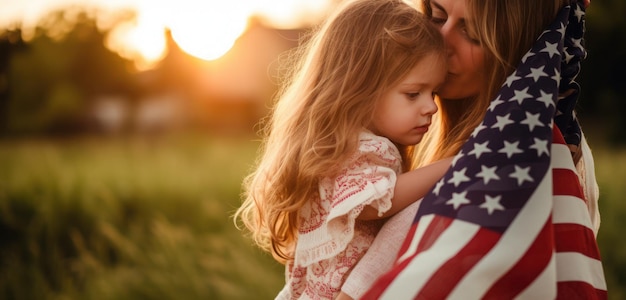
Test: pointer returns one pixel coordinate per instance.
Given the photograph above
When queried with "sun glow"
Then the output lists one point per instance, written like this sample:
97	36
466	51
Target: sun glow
206	29
203	28
143	41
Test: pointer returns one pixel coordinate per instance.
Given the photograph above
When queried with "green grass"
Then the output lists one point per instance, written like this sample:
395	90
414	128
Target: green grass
151	219
128	219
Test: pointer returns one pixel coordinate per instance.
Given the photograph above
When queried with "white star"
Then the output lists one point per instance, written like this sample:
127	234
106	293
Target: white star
557	75
568	57
487	174
491	204
521	174
502	122
578	43
562	29
541	146
478	129
510	149
537	73
520	96
458	177
579	13
512	78
551	49
545	98
438	187
527	55
532	120
457	157
479	149
495	103
458	199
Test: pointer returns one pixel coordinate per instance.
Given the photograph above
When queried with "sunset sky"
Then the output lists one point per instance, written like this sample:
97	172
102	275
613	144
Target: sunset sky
204	28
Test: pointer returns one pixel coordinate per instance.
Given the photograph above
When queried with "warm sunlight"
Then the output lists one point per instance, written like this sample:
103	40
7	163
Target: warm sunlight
143	41
208	29
203	28
291	13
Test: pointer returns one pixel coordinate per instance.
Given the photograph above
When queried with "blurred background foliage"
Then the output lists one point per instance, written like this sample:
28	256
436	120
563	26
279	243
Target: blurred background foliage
120	183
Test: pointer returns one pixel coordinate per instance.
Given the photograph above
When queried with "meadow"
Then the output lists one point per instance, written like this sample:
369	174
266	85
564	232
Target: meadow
151	218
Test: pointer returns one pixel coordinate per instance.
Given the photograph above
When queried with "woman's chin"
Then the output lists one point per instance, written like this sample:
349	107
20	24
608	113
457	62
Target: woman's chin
456	93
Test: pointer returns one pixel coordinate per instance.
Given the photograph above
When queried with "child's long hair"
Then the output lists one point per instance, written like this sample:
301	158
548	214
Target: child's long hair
351	60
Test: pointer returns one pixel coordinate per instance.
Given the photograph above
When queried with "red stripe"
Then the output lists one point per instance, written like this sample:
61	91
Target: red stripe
383	282
443	281
576	238
435	228
529	267
557	137
573	290
407	240
566	182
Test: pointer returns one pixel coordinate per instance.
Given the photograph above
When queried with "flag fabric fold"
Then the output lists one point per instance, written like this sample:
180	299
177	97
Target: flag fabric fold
509	219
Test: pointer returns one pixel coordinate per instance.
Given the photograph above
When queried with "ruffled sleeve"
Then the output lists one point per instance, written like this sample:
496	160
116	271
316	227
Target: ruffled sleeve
368	178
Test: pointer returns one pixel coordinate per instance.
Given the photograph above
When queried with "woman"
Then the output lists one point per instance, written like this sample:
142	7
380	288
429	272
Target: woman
479	62
486	40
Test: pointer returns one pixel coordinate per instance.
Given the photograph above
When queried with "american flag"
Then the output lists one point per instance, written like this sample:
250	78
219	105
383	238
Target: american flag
509	219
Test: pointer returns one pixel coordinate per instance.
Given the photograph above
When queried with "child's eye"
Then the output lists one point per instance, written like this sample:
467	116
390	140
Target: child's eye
412	96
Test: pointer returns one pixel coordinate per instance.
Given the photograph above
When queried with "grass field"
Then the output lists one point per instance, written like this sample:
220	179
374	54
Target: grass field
127	219
151	219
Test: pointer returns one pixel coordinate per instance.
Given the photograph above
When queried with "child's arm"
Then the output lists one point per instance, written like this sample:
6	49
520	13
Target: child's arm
410	187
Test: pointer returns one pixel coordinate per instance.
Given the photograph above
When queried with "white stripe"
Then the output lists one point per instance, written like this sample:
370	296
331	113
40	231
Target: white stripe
570	210
562	157
544	286
574	266
424	221
512	245
421	268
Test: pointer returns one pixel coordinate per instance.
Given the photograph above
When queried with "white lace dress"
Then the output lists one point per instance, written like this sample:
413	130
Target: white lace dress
330	239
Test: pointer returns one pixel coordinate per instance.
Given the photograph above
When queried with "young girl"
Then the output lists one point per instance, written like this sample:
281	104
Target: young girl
338	143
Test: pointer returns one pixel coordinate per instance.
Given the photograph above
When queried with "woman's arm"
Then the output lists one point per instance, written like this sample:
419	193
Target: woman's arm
380	256
410	187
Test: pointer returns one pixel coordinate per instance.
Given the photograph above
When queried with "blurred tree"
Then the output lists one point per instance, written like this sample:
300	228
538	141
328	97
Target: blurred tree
62	69
48	81
10	42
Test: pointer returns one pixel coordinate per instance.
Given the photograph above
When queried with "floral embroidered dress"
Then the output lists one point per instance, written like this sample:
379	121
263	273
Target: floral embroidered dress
330	239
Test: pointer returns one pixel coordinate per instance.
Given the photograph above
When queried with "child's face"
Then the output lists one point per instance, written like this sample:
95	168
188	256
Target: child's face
404	113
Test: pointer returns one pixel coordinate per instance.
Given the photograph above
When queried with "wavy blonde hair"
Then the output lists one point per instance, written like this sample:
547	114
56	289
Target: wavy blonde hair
350	61
506	30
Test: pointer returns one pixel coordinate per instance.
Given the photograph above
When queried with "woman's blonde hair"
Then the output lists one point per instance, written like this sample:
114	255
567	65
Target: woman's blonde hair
505	30
350	61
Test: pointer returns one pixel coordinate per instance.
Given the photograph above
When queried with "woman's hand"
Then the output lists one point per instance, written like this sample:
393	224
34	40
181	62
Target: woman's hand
586	3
